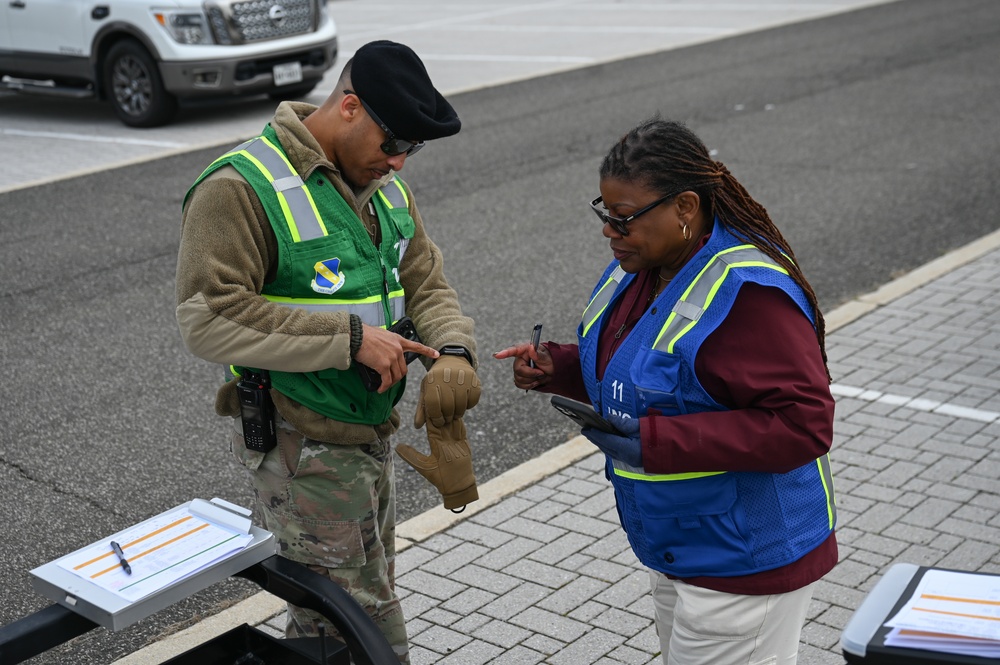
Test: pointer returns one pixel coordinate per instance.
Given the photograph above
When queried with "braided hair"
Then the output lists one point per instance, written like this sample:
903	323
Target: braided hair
666	156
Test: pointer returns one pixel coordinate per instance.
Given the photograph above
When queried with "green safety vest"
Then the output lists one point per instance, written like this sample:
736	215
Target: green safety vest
327	263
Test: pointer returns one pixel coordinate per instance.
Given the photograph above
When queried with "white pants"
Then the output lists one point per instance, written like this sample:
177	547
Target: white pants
699	626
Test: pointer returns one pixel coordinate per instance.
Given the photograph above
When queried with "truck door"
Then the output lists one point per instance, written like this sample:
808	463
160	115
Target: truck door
44	31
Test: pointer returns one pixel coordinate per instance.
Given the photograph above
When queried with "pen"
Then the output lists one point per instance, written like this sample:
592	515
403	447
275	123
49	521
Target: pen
121	557
536	337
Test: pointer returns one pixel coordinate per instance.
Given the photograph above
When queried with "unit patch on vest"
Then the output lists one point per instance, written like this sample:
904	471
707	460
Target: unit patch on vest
328	277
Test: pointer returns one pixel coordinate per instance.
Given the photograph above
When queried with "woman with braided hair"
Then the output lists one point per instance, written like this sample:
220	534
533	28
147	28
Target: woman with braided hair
703	345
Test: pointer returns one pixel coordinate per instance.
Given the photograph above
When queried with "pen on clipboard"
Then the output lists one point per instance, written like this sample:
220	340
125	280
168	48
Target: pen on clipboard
536	337
121	557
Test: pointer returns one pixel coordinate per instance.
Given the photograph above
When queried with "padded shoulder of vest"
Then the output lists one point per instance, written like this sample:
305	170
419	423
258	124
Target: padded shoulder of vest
225	171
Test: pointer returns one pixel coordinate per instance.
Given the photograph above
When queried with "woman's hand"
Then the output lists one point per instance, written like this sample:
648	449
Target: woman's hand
527	377
625	446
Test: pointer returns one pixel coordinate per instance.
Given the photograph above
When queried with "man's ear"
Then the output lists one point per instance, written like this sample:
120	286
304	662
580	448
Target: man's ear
349	107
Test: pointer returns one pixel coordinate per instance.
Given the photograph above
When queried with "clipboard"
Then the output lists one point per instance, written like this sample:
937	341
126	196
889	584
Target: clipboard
94	599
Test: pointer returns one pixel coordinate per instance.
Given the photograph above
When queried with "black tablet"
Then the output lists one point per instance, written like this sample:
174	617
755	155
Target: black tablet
583	414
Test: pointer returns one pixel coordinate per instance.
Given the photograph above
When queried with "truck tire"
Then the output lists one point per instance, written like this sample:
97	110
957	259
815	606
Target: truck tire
297	91
134	87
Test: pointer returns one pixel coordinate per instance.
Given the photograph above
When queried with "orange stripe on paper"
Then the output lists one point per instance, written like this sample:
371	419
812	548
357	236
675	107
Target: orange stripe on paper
172	540
134	542
163	544
977	601
942	636
957	614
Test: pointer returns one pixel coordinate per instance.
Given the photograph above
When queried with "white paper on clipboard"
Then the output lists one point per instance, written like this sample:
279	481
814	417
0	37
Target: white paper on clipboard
162	550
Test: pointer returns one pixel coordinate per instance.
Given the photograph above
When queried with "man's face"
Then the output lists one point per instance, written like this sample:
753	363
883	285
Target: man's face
360	155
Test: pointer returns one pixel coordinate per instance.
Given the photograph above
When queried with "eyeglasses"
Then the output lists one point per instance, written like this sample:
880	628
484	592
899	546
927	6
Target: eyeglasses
620	224
392	146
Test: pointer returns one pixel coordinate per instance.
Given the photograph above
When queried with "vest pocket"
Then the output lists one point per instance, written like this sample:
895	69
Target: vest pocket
694	527
656	377
323	266
662	402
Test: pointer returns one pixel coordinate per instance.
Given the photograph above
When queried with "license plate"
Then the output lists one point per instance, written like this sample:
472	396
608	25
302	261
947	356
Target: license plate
289	72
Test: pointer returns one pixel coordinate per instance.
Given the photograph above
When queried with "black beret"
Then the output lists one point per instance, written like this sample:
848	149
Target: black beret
394	83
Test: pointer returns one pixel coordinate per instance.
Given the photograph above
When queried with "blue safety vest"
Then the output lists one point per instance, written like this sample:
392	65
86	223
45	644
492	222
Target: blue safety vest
719	523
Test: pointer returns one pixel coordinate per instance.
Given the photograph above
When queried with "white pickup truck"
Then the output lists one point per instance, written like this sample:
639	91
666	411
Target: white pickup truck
145	55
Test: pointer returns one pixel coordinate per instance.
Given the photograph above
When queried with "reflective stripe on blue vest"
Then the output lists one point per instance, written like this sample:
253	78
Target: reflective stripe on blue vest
699	294
601	299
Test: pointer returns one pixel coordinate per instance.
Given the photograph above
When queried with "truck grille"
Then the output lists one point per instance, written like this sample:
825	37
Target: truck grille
258	20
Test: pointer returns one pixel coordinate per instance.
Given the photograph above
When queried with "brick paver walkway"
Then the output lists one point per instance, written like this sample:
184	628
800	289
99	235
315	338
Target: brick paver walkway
546	575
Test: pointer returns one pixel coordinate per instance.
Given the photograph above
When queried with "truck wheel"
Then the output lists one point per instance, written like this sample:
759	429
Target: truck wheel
134	87
293	91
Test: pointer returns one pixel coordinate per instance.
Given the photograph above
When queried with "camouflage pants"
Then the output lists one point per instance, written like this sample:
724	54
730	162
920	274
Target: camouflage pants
333	508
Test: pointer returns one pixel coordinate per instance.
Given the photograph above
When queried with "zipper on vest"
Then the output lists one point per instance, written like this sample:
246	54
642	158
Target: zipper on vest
372	230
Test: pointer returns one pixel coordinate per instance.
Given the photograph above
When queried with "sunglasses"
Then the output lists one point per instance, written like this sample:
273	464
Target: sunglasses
392	146
620	224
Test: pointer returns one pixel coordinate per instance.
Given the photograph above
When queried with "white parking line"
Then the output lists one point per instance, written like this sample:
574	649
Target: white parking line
93	139
917	403
507	58
602	29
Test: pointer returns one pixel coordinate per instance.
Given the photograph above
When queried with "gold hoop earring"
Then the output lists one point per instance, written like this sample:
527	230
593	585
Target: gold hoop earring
686	232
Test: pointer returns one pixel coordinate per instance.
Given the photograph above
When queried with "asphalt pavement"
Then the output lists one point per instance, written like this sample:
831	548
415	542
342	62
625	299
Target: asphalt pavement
869	135
466	46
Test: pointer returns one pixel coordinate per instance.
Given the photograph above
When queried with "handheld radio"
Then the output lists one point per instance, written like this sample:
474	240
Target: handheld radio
257	410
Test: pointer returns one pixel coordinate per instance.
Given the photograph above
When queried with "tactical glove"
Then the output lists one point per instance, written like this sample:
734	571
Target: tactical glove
449	466
450	387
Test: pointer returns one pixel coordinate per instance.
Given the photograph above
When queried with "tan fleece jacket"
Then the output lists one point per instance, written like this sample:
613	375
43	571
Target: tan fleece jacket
228	252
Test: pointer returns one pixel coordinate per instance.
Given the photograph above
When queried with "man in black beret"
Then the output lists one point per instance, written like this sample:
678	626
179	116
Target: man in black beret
299	249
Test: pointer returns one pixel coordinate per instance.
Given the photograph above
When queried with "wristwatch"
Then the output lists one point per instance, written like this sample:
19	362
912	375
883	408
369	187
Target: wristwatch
456	351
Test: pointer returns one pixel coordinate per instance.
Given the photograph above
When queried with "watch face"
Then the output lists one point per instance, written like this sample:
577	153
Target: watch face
456	351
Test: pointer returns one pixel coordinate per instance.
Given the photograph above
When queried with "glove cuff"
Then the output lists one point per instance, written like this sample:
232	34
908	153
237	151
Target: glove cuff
357	332
461	498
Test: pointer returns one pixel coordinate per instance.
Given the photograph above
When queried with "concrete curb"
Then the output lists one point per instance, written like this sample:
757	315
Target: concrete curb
436	520
254	610
928	272
262	606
